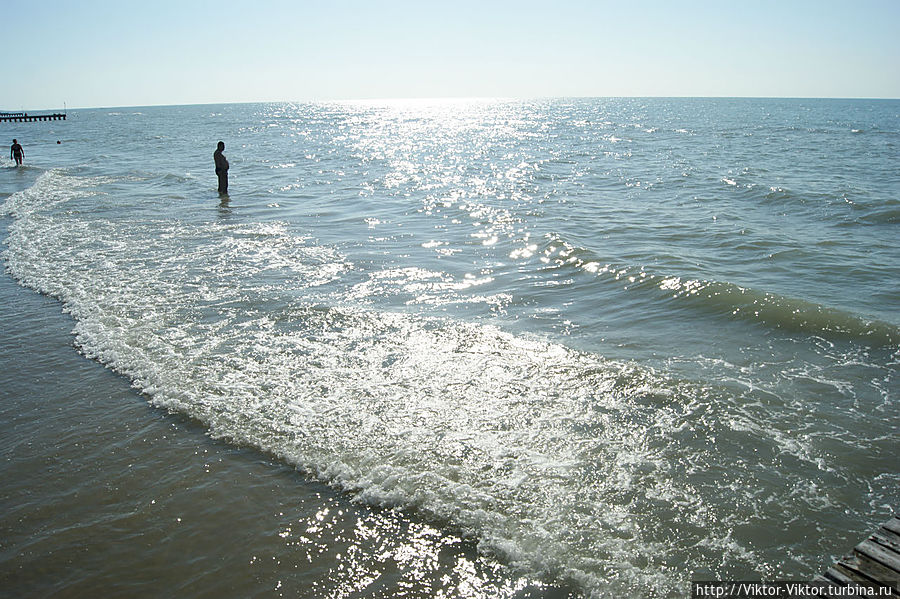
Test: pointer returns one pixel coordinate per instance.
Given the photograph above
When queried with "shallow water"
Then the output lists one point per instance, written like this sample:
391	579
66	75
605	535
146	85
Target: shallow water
616	345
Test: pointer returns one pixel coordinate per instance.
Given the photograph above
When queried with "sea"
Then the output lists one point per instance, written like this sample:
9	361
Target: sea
447	348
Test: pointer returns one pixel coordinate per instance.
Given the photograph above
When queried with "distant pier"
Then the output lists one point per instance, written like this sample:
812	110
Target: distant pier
875	560
24	117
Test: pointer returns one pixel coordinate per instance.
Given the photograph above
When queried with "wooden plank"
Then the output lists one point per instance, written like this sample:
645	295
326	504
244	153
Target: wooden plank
858	571
892	525
840	576
888	539
880	564
843	575
889	559
876	560
870	571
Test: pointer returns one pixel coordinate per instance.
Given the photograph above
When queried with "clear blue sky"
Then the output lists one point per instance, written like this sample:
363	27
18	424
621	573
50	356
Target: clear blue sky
93	53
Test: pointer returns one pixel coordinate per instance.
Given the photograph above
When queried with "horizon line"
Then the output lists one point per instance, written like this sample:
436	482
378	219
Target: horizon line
463	99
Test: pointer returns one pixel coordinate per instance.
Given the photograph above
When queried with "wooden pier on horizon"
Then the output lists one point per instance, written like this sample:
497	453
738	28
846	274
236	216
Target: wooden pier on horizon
24	117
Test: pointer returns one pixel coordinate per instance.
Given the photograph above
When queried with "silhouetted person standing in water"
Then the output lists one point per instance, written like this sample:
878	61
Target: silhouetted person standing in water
221	167
18	153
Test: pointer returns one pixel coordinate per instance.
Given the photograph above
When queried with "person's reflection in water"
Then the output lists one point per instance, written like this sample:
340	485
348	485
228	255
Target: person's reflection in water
224	205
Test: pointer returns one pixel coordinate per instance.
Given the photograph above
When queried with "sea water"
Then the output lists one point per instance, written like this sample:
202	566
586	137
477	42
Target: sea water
449	348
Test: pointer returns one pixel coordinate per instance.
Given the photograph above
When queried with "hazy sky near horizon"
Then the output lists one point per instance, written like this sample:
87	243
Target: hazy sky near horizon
95	53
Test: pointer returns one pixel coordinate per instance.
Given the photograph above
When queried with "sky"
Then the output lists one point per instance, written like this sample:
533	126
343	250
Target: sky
94	53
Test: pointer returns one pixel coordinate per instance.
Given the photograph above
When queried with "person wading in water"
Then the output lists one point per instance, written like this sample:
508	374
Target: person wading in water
17	152
221	167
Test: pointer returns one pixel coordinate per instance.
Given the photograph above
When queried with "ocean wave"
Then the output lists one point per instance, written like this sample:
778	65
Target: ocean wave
52	188
885	216
724	298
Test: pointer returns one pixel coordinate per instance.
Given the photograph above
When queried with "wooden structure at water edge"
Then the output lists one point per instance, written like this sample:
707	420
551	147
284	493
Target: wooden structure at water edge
874	561
24	117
